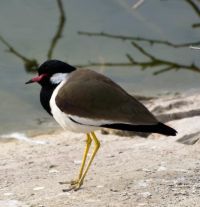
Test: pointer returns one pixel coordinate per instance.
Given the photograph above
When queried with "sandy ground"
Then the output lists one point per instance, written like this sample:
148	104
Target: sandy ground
157	172
127	172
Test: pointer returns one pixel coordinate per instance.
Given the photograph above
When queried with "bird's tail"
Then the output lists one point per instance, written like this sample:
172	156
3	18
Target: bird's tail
159	128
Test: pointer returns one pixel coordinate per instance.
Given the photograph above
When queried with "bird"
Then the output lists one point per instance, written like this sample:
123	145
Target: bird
83	101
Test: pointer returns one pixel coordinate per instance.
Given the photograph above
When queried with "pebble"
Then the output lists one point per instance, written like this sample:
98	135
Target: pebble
146	170
53	171
161	168
146	194
38	188
52	166
100	186
142	183
110	155
8	194
114	190
77	162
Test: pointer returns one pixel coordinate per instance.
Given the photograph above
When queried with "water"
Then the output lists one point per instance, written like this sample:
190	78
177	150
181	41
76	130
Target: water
29	27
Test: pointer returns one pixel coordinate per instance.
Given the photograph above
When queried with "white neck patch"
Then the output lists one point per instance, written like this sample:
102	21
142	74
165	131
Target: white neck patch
58	78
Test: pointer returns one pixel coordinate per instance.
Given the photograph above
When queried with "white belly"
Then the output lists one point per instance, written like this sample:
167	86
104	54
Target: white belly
63	118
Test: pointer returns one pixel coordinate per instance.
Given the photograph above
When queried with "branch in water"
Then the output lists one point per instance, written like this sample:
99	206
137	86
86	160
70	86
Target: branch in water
30	64
153	62
138	39
59	31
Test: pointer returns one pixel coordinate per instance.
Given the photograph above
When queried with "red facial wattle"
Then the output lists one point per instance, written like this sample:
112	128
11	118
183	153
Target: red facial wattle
37	79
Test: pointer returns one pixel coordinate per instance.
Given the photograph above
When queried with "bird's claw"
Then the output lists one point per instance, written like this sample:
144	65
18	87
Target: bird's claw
75	185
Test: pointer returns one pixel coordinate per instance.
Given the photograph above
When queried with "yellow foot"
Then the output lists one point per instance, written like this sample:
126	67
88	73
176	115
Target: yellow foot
75	185
72	182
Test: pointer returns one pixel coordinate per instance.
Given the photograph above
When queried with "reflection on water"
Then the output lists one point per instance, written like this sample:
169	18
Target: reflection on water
130	42
153	61
31	65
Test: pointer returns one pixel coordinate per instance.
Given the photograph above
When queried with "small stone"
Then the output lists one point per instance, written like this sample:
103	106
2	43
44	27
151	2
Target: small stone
38	188
52	166
8	194
77	162
146	170
114	190
110	155
146	194
53	171
100	186
174	189
197	186
142	184
161	168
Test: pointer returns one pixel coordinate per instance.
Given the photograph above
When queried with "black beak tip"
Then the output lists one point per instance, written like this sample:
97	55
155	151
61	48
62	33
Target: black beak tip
30	81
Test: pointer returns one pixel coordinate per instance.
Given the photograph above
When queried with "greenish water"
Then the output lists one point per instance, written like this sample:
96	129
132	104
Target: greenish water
30	26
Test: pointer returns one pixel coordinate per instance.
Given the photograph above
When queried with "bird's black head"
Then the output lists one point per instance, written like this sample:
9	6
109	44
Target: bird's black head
52	72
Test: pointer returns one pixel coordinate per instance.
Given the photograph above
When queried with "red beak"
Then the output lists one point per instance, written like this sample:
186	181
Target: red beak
36	79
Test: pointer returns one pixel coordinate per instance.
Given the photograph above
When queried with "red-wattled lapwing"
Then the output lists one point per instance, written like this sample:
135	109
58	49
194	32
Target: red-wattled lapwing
82	100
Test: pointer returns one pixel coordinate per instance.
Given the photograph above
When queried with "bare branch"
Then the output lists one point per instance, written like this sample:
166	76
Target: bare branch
153	62
59	31
138	39
163	70
130	58
143	51
11	49
196	25
194	6
30	64
108	64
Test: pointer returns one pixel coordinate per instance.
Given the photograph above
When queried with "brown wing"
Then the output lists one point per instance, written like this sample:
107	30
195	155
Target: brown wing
91	95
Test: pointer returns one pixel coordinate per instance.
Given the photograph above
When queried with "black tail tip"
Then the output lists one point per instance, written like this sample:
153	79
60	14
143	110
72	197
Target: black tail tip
166	130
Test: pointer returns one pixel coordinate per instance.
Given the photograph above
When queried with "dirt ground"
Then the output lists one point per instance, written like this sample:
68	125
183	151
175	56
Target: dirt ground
156	172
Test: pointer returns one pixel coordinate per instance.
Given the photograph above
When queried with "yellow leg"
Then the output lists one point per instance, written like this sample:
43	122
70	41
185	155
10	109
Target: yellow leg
96	147
87	147
88	144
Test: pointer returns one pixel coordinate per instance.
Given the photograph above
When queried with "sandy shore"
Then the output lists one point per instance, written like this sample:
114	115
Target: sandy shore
128	171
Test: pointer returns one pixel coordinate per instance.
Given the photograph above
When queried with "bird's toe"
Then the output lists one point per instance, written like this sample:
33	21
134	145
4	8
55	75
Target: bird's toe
72	182
74	185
